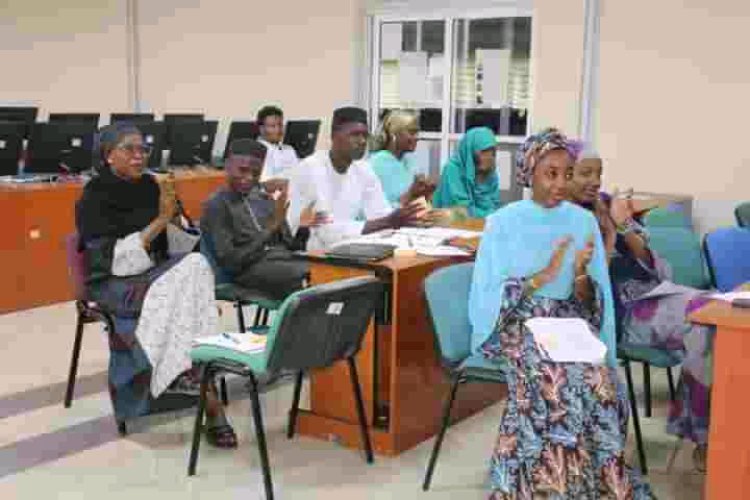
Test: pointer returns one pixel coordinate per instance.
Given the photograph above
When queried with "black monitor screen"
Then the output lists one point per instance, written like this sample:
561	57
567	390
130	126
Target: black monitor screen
241	130
25	115
302	135
60	147
154	136
87	118
191	143
11	146
134	118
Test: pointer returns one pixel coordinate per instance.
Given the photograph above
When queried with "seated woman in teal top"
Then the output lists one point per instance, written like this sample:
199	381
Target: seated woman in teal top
469	181
564	428
392	161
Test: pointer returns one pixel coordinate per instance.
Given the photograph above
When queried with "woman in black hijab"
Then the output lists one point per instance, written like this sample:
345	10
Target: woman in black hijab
140	269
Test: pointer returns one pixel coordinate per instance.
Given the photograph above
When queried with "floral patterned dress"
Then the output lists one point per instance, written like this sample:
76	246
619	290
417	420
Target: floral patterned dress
563	432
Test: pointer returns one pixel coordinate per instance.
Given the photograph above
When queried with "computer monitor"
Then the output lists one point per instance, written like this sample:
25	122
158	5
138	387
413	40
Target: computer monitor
430	119
173	119
25	115
134	118
60	148
86	118
241	130
302	135
191	143
11	146
155	136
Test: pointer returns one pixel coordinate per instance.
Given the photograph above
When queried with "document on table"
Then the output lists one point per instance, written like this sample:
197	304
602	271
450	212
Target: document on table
425	241
247	343
731	296
567	340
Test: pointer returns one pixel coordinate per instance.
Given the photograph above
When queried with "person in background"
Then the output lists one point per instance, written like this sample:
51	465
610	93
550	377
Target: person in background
281	158
251	239
342	187
646	318
564	429
469	183
139	270
393	162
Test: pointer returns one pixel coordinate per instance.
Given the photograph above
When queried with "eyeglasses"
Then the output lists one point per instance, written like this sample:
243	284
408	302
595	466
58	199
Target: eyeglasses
143	149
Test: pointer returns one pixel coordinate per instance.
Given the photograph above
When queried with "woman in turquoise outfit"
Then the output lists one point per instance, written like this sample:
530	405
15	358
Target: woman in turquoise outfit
563	433
469	181
393	162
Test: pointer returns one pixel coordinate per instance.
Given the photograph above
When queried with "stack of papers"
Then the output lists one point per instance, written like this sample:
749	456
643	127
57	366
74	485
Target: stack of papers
425	241
567	340
242	342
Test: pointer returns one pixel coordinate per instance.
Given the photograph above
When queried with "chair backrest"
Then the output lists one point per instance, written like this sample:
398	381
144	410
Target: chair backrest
322	324
681	248
447	292
669	216
76	266
742	214
728	256
209	252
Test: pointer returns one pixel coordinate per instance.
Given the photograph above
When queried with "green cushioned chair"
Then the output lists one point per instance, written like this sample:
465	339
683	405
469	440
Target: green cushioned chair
671	216
681	248
314	328
447	292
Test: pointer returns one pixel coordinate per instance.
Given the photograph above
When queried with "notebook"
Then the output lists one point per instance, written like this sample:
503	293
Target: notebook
567	340
247	343
367	252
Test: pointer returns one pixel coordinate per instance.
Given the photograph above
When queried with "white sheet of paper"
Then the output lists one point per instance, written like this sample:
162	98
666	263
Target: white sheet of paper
390	41
495	72
730	296
243	342
442	251
567	340
412	77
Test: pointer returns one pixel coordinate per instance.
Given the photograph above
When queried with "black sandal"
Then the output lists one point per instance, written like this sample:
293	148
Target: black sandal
220	434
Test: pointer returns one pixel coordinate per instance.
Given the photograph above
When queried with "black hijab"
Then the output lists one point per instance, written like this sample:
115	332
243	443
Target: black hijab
112	207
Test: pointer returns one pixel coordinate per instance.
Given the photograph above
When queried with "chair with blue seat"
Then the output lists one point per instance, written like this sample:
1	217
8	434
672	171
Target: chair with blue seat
314	328
228	291
742	214
728	255
447	292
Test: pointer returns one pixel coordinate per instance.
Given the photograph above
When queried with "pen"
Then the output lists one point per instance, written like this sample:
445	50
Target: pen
229	337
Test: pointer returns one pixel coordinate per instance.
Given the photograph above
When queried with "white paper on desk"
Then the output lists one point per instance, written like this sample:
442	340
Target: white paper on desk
442	251
243	342
443	233
730	296
667	288
567	340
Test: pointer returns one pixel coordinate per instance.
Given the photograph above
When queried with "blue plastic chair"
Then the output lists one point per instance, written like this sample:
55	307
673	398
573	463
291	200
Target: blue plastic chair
728	255
681	248
447	291
742	214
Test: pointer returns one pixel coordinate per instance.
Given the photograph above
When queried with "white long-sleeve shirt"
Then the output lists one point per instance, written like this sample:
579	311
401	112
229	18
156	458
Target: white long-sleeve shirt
350	199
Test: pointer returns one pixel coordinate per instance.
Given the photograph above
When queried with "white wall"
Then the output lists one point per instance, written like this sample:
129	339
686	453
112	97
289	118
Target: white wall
64	56
673	104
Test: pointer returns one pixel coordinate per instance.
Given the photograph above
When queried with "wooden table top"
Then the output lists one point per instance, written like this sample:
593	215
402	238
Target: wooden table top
722	313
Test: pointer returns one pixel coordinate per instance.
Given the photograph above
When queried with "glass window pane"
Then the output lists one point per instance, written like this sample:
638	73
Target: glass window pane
427	158
412	69
491	85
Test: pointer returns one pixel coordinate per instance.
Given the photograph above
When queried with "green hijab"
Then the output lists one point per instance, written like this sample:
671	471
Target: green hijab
458	185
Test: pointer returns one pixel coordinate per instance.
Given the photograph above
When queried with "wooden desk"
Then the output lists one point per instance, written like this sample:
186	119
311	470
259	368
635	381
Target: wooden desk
403	385
728	476
38	217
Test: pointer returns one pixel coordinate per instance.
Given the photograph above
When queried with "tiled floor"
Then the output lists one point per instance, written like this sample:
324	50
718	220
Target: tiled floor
47	451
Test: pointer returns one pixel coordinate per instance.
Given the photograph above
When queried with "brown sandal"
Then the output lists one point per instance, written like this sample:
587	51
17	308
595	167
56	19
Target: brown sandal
221	436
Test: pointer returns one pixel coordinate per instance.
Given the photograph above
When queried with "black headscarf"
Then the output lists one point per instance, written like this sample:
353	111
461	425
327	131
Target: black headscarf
112	207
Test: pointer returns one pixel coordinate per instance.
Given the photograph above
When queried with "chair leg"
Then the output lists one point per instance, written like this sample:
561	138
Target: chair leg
122	428
264	317
292	424
647	389
258	315
636	421
261	437
240	317
443	428
223	391
670	379
198	428
360	409
74	362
